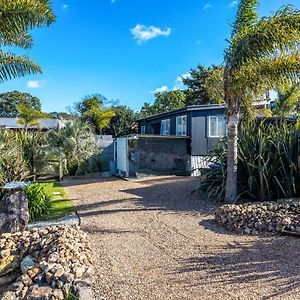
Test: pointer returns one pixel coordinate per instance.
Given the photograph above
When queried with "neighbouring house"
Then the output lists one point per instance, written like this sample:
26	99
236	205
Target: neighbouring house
43	124
178	142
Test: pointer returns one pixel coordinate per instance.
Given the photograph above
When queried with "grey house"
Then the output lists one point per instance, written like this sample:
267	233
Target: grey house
177	142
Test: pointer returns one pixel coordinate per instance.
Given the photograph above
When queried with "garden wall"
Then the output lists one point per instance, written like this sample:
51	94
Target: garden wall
159	156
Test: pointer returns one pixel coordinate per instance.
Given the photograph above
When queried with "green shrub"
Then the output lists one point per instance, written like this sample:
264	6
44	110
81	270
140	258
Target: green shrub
268	163
39	202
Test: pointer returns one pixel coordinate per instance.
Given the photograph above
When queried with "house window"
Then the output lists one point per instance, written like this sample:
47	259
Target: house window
181	126
165	127
216	126
143	129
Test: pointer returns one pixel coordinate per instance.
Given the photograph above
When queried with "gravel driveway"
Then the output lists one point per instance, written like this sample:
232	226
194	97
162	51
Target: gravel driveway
153	240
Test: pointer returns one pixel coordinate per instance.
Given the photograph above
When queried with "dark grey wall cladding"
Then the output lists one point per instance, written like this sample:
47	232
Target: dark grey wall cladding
158	156
106	143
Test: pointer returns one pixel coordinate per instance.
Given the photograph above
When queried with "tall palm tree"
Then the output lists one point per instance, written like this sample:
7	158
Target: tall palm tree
17	17
262	53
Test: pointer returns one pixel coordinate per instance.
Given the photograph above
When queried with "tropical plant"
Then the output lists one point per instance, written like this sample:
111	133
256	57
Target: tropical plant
92	109
39	202
78	144
268	162
262	54
13	166
18	17
28	116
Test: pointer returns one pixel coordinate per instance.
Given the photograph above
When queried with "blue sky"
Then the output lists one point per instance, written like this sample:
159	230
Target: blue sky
126	49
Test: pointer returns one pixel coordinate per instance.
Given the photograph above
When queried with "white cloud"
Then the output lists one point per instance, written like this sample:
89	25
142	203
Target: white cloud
142	33
178	82
65	6
233	3
36	84
160	90
207	6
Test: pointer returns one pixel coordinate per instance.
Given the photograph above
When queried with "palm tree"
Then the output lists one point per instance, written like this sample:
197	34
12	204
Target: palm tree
263	53
16	19
28	116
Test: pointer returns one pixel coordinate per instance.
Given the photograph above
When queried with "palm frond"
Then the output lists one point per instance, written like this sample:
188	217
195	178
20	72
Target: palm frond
246	15
19	16
12	66
278	33
271	73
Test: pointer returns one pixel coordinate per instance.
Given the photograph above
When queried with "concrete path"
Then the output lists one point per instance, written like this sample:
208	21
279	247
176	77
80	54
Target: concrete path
153	240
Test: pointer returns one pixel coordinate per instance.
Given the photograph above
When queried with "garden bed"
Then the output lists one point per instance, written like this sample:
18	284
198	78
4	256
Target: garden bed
255	218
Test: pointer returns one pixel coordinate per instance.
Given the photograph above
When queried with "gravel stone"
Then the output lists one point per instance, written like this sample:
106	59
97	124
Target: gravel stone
156	239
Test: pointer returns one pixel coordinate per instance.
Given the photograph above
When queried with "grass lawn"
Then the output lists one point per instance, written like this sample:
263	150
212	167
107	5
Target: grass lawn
62	204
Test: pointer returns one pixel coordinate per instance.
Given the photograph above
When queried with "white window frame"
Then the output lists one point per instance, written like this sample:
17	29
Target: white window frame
143	129
168	122
181	132
217	126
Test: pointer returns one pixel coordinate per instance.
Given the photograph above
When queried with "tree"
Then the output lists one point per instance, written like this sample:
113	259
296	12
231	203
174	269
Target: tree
164	101
17	19
262	54
92	109
28	116
121	123
204	85
9	103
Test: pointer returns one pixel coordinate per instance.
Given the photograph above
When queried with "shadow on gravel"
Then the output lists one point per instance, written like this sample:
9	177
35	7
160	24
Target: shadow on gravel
176	194
212	225
274	260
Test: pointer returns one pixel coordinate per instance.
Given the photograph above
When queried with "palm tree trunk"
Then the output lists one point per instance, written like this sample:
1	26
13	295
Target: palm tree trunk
232	126
232	158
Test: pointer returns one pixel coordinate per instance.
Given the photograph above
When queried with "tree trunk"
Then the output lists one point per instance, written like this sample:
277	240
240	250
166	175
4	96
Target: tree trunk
232	158
232	125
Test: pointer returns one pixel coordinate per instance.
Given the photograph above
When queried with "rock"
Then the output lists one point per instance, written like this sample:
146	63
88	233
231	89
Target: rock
26	264
26	280
8	296
59	272
9	264
58	294
78	271
32	273
49	277
67	277
36	292
16	286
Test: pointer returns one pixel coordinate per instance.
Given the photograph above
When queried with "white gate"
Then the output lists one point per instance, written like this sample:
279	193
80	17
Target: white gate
122	156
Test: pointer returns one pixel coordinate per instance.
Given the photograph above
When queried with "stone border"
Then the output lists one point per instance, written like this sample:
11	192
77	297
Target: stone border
69	220
280	216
